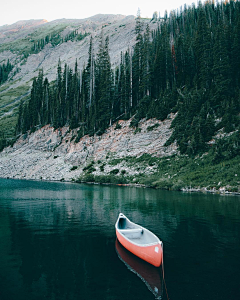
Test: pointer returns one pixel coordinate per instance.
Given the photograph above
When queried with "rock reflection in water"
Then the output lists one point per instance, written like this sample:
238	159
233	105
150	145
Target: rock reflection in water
149	274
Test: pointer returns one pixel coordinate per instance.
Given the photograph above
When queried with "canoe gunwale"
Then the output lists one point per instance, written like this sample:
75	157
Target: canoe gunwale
137	244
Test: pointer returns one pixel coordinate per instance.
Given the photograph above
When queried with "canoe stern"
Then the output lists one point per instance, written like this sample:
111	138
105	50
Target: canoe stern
151	253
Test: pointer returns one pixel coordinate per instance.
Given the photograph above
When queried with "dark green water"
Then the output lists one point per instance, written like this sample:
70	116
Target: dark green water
57	241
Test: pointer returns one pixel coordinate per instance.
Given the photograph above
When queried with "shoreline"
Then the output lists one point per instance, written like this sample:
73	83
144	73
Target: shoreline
119	157
203	190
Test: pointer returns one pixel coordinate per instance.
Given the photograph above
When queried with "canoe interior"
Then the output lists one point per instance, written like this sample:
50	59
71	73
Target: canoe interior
135	233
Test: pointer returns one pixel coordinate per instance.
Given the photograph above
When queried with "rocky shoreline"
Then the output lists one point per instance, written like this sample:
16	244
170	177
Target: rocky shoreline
49	154
52	155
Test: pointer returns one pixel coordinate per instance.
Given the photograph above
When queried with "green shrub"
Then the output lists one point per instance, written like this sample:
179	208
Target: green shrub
163	184
73	168
111	179
72	138
118	126
88	178
177	186
233	189
91	169
150	128
115	161
114	171
88	166
134	122
137	130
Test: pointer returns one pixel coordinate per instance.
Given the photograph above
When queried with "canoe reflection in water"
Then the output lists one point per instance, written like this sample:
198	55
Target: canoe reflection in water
149	274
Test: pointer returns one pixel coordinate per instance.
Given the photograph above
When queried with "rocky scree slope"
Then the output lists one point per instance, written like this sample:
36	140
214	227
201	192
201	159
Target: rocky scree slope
120	29
50	154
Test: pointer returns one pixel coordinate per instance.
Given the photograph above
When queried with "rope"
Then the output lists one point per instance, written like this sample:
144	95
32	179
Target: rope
163	275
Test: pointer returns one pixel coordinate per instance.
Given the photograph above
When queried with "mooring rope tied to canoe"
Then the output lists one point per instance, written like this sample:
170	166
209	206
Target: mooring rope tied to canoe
163	275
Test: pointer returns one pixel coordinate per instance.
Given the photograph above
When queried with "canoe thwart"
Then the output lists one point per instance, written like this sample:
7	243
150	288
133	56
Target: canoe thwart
132	233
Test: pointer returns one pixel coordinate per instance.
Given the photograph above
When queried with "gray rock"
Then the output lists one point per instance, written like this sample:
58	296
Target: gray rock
48	154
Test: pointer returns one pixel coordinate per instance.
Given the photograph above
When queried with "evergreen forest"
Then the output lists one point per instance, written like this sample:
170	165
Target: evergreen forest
54	39
5	69
189	65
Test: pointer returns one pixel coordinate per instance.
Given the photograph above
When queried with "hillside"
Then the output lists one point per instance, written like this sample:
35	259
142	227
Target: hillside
50	154
120	156
17	41
118	99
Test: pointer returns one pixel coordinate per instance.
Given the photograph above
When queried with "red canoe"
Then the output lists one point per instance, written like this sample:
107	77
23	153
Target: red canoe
139	240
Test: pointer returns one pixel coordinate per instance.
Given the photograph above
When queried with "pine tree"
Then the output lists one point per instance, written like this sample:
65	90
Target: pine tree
45	103
32	107
236	50
146	85
137	63
39	99
221	70
58	117
202	51
76	98
90	73
103	85
19	126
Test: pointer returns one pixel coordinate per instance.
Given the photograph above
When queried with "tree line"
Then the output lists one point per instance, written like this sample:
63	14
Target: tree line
5	69
55	39
189	65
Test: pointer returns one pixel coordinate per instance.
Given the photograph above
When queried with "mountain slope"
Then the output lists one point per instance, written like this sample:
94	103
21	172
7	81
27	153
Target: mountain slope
17	40
186	68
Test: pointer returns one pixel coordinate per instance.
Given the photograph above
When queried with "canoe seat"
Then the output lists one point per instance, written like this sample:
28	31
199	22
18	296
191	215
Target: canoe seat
134	233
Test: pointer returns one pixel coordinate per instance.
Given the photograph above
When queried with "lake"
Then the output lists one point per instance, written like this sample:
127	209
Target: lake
57	241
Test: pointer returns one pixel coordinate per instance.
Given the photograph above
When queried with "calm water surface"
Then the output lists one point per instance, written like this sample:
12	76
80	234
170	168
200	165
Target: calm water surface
57	241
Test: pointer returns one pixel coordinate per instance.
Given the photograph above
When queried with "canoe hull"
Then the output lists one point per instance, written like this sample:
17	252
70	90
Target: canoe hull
150	253
149	274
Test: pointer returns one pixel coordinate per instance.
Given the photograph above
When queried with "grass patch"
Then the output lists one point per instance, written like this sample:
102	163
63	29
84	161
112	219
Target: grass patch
176	173
7	125
24	45
9	96
5	86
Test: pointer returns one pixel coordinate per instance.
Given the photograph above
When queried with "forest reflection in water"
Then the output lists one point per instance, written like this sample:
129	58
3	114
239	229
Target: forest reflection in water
57	241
